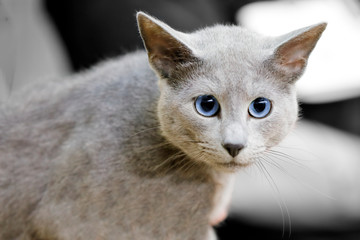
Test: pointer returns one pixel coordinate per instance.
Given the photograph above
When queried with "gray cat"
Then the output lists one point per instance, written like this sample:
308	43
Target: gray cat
126	152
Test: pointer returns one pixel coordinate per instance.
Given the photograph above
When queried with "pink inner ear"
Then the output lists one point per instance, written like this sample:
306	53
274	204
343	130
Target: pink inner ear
296	55
165	50
293	55
294	60
295	66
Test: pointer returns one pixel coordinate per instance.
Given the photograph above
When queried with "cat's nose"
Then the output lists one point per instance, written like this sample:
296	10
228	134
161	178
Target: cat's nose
233	149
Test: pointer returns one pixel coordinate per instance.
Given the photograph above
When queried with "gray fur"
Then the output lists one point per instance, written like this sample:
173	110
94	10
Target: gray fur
106	155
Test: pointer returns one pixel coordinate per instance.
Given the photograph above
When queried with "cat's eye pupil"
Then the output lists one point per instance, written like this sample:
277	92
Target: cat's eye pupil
260	107
207	105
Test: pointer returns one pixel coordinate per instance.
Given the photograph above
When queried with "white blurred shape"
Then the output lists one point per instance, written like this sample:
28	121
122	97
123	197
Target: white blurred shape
32	49
317	176
333	71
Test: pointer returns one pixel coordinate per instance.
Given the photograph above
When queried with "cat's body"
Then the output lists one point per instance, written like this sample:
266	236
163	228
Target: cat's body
91	160
106	155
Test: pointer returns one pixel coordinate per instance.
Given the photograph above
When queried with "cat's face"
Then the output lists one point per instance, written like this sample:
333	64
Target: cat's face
227	94
216	110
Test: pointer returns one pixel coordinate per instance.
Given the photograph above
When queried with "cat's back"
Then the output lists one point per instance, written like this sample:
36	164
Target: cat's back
107	89
127	73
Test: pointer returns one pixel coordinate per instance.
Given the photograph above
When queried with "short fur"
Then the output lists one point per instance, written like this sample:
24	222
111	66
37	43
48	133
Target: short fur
107	155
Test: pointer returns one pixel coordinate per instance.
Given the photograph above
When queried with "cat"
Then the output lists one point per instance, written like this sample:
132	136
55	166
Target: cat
145	146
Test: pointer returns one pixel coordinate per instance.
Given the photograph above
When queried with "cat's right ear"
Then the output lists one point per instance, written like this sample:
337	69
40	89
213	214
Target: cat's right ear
167	52
291	54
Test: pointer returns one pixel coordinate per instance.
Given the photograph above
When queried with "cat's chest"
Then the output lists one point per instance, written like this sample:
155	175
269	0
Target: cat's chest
222	197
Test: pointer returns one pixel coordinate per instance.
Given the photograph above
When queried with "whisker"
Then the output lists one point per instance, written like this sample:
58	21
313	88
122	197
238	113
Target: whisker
194	141
153	147
298	151
283	170
286	158
277	166
179	155
185	167
280	201
210	151
145	130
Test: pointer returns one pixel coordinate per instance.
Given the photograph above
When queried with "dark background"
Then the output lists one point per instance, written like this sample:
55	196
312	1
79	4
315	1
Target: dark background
94	30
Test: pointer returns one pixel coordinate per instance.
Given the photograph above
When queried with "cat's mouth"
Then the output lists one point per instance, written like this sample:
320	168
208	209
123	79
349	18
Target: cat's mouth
232	165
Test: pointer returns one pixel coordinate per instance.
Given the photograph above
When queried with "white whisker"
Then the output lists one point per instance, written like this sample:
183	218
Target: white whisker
280	201
145	131
286	158
272	162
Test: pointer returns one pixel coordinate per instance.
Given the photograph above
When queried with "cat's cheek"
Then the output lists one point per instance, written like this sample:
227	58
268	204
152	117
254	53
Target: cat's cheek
180	126
283	129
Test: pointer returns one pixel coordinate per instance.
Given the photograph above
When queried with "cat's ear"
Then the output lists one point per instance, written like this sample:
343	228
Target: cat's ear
165	47
291	54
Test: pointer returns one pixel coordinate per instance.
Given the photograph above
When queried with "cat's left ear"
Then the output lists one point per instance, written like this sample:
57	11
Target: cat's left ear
291	55
168	53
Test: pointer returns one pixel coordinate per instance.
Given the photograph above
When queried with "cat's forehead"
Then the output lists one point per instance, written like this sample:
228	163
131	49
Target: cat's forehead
231	53
244	85
232	61
226	42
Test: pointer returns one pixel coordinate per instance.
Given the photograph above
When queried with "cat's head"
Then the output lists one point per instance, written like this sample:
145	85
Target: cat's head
227	94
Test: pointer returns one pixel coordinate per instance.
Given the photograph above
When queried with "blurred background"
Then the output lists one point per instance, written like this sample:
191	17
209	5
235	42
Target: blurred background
312	188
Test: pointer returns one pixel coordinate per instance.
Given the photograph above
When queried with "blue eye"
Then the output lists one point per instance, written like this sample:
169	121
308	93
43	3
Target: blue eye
207	105
260	107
